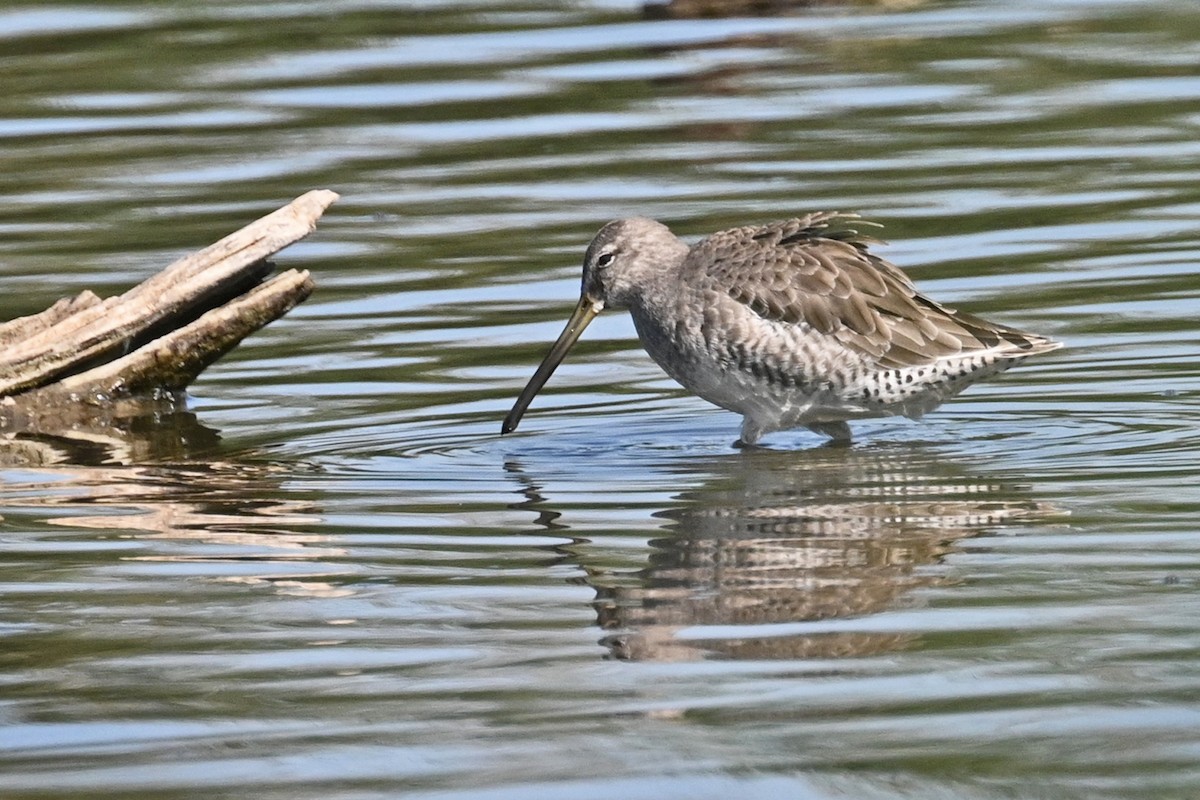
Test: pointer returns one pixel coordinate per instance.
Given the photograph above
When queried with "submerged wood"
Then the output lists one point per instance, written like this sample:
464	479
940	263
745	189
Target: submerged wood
62	365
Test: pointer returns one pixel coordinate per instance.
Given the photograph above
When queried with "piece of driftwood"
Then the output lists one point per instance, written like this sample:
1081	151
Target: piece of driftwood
84	360
173	324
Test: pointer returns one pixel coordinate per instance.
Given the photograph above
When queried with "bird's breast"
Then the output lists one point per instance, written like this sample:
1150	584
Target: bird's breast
720	350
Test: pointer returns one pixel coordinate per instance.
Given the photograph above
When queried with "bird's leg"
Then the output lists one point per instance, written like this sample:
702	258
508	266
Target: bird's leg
838	431
752	431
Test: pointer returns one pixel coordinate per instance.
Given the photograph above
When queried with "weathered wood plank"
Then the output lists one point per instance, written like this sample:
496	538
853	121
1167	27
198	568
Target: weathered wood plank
21	328
174	360
101	330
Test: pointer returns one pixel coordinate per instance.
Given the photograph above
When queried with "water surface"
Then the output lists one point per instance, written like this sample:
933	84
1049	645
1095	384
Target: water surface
332	578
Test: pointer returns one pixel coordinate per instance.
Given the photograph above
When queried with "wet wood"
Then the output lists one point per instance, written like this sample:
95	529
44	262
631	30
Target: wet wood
173	360
24	327
158	336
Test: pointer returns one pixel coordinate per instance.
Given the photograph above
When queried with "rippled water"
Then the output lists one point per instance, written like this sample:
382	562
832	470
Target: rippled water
332	578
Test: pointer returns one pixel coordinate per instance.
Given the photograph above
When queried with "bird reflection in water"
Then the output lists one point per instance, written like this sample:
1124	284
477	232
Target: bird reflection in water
772	539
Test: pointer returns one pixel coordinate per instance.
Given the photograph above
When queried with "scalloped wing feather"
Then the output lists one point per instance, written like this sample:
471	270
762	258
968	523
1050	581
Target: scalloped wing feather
817	270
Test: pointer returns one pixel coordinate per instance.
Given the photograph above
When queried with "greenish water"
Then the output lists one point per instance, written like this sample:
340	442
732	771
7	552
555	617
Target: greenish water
334	579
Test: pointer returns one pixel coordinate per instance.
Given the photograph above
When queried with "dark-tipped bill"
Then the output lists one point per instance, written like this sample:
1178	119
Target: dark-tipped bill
580	317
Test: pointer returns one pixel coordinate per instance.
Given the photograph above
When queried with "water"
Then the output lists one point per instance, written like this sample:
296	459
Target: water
332	578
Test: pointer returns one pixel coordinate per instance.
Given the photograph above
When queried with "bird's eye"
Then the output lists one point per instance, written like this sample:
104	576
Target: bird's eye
604	259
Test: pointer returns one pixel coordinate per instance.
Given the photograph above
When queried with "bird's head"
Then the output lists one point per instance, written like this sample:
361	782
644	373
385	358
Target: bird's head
624	257
619	265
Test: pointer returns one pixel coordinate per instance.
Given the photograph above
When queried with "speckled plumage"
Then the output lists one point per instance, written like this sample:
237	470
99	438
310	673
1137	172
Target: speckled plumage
793	323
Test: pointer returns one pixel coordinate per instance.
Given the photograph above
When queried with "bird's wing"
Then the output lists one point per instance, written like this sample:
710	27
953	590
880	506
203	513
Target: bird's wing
817	270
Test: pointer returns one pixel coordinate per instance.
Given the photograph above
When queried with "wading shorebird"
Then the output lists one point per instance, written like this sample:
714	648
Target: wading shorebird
790	324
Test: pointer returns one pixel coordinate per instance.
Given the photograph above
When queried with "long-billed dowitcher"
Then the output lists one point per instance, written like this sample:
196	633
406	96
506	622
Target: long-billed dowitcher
790	324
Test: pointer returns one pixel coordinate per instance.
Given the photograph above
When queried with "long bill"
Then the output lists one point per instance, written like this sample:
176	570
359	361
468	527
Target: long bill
584	312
